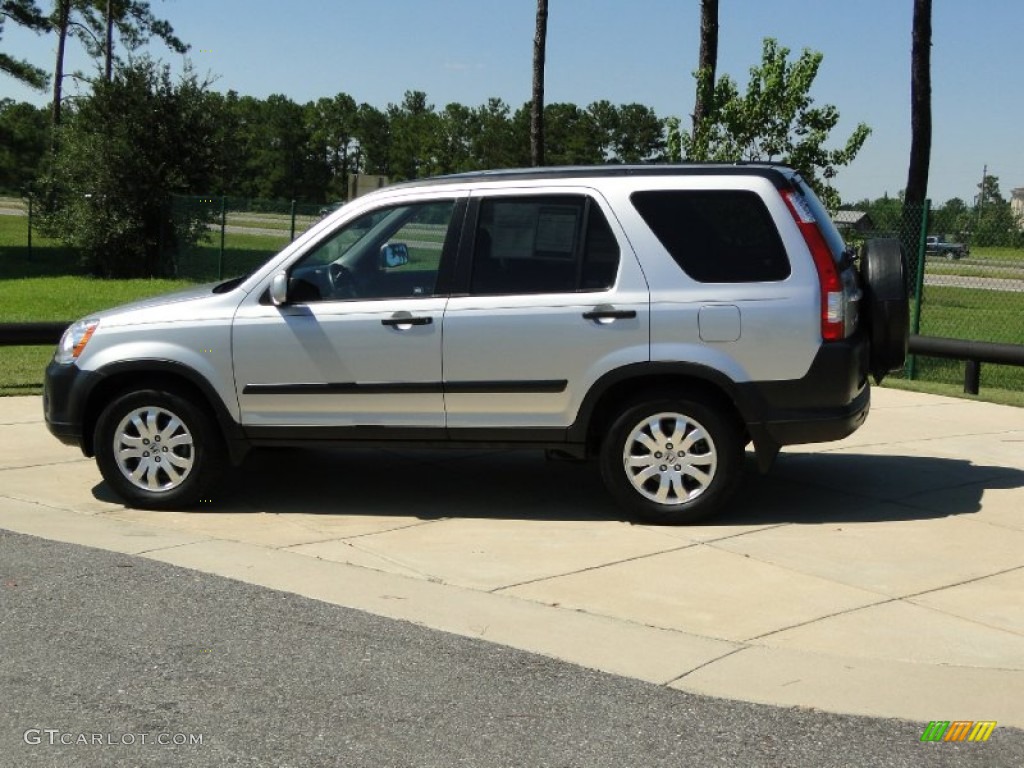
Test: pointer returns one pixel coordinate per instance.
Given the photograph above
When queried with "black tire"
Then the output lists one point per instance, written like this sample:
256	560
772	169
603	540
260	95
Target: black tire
887	309
167	456
722	437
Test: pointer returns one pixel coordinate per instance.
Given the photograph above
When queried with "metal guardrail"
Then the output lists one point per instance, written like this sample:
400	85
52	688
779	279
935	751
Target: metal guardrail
974	353
31	334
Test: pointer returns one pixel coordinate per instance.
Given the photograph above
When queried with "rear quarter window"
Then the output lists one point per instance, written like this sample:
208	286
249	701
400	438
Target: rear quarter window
720	236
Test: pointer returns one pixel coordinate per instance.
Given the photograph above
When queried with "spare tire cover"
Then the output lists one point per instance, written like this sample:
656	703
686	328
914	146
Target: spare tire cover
883	270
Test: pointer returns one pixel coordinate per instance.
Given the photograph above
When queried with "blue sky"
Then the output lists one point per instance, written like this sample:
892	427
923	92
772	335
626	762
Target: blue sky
640	51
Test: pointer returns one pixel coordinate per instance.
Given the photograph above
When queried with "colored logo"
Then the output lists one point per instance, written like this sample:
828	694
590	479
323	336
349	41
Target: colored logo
958	730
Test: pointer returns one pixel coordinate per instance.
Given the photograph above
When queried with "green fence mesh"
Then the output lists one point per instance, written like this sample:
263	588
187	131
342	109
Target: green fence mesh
241	233
966	278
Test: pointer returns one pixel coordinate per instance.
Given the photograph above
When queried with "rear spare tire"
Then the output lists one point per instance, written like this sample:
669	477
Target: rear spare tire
884	273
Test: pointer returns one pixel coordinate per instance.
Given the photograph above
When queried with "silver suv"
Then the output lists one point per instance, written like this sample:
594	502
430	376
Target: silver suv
658	318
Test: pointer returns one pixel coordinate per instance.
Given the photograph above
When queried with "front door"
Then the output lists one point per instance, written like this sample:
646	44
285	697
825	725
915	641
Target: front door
357	347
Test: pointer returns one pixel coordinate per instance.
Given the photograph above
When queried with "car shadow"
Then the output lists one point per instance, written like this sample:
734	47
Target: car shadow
802	488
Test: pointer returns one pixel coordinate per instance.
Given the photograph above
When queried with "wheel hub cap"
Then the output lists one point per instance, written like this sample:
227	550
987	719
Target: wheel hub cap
670	458
154	449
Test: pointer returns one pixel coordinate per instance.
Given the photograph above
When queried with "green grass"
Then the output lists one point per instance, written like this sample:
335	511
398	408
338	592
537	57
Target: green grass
50	285
973	313
242	254
998	253
977	315
975	270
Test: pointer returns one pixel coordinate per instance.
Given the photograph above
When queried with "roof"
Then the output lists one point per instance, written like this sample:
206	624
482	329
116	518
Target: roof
779	174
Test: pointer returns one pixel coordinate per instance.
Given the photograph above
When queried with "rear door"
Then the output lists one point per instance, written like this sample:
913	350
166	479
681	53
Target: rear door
549	296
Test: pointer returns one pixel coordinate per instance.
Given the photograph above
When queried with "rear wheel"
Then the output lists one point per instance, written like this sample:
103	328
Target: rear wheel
158	450
672	461
884	272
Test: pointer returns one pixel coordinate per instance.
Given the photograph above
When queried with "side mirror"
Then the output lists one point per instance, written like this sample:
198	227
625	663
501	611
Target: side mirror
394	255
279	289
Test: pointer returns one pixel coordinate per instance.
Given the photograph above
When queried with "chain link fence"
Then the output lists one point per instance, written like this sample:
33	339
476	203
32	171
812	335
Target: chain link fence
240	233
966	281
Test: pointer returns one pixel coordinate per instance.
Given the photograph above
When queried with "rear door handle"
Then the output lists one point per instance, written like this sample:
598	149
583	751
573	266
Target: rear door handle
406	321
610	314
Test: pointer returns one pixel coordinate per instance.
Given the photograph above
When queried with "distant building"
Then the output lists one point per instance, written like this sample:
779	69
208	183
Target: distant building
854	221
1017	205
361	183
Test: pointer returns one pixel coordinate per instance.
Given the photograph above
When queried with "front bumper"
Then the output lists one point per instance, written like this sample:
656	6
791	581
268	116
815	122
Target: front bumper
64	391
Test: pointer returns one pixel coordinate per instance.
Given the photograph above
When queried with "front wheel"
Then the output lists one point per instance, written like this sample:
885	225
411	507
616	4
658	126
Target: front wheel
672	461
157	450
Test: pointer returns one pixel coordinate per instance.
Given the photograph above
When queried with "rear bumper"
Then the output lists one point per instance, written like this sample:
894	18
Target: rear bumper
829	403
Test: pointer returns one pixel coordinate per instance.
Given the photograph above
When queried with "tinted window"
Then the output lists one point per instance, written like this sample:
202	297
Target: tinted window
716	236
542	245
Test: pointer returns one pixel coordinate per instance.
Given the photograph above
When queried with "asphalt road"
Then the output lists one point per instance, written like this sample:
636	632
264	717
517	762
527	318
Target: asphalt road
138	655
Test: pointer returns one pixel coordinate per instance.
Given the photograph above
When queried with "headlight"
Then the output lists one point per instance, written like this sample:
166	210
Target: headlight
73	342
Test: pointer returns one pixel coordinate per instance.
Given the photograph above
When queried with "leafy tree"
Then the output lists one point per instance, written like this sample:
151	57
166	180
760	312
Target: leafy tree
776	120
135	24
93	23
537	116
885	212
414	137
952	218
495	143
639	134
26	13
457	125
605	118
279	158
995	223
123	151
24	138
572	136
673	139
228	174
374	134
332	133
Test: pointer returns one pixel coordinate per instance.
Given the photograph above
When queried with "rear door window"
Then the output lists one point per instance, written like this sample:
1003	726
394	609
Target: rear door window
720	236
543	244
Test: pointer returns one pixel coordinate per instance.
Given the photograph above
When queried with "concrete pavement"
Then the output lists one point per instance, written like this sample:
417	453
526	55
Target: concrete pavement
882	575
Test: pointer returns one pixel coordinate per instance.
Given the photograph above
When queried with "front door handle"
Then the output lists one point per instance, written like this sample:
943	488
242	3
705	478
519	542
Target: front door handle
406	322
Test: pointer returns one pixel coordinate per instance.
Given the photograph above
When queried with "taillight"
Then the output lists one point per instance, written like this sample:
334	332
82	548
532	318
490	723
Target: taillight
833	298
